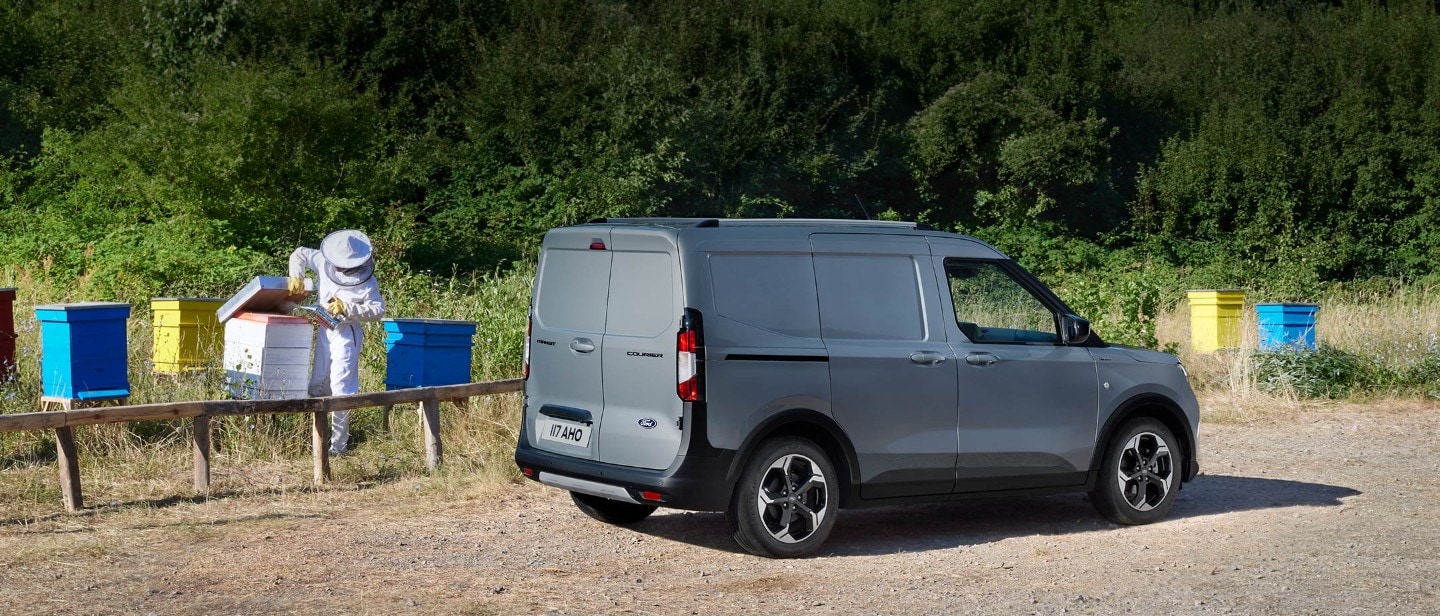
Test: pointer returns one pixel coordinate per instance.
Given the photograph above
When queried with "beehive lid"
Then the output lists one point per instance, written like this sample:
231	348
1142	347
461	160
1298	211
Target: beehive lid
82	311
82	306
263	294
429	321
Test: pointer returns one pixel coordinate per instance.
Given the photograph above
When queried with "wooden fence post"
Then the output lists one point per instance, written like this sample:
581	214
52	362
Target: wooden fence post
200	443
430	427
320	438
69	469
385	418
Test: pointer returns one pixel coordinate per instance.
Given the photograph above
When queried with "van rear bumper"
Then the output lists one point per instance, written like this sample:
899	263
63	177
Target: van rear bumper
697	483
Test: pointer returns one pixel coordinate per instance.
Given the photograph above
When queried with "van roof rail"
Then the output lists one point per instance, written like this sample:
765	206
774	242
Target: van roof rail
727	222
664	222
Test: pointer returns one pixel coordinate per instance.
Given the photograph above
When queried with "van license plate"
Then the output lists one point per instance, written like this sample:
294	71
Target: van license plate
561	431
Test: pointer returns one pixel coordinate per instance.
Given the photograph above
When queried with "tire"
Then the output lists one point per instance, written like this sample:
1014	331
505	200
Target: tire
1140	474
786	501
611	511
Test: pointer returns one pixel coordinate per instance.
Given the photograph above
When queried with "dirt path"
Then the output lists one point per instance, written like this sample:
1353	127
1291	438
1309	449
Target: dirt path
1328	513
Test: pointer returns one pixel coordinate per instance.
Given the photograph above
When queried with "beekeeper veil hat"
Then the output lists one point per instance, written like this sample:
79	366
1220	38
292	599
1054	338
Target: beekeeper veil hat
348	257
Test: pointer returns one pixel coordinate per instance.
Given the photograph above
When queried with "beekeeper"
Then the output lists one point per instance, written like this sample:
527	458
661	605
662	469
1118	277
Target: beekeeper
345	269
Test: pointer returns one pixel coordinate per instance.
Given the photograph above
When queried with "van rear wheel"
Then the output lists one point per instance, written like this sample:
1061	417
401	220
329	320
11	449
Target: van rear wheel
611	511
786	501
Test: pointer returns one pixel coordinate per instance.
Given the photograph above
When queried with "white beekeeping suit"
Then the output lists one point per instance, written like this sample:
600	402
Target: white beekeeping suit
347	288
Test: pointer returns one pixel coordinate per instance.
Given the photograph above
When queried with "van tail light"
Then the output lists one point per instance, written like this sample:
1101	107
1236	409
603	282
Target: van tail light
529	325
689	349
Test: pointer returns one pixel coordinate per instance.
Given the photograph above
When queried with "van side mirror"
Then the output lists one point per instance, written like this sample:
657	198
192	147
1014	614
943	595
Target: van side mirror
1073	329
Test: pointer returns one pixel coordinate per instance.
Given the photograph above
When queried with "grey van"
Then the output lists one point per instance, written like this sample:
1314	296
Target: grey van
782	370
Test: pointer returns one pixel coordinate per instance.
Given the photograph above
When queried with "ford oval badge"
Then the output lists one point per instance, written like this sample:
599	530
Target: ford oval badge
647	423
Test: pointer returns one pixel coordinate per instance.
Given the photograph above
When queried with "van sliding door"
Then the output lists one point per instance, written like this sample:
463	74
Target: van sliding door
892	375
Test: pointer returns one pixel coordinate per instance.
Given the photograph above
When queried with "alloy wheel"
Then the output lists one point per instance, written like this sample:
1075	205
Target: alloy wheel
792	498
1146	471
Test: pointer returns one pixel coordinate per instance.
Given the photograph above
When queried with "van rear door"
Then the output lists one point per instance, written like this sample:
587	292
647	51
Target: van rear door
641	427
564	394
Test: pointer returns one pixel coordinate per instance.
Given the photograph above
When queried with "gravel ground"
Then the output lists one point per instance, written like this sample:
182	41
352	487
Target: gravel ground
1330	512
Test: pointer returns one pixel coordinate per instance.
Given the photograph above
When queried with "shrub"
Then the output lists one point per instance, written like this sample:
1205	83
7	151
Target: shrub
1327	372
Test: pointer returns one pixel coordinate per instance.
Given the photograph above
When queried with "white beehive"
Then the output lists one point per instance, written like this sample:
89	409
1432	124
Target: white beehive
267	356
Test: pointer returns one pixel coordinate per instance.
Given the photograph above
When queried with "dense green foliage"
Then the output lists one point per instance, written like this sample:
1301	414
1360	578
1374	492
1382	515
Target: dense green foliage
177	146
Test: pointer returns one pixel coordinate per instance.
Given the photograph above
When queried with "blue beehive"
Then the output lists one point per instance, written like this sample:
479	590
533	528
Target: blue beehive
1286	325
426	352
83	351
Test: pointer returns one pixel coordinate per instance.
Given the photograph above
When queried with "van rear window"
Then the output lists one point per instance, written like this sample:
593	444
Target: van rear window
642	294
573	288
771	292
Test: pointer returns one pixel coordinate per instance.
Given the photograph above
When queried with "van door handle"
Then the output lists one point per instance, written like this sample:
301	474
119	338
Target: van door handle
582	345
927	358
981	359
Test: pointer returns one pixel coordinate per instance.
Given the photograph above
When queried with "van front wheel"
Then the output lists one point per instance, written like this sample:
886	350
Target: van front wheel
1140	476
786	501
611	511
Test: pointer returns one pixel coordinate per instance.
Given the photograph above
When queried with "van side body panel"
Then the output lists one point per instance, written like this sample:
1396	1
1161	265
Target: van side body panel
763	353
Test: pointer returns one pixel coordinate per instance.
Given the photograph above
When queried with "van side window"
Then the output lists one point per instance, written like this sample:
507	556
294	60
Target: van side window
991	306
771	292
871	297
642	294
574	286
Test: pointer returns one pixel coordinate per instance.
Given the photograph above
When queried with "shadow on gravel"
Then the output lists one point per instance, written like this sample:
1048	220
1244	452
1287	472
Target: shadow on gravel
1212	494
933	526
100	508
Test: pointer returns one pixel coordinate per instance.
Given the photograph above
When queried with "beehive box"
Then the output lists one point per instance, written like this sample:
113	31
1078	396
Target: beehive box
187	333
267	356
83	350
1215	319
7	333
1288	325
427	352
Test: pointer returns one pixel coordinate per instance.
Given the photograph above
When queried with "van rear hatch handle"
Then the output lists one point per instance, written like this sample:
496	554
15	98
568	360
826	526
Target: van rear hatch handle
567	413
582	345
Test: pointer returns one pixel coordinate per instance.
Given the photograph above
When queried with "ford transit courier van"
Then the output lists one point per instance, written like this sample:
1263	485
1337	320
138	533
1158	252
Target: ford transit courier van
783	370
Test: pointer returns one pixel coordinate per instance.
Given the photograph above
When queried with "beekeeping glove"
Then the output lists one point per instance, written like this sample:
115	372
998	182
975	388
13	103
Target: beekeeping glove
335	307
295	285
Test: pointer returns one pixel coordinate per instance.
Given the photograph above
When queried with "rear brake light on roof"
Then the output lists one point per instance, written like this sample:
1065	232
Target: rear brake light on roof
689	348
597	244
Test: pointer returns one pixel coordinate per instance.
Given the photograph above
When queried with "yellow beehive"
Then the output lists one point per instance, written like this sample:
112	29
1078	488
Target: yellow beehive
1215	319
188	336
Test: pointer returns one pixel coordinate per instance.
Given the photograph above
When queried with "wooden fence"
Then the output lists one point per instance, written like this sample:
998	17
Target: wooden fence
64	422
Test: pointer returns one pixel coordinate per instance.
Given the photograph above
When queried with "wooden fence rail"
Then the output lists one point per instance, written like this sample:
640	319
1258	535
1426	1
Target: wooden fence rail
64	422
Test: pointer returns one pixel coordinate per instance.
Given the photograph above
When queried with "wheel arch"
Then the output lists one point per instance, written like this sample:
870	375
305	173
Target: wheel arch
815	427
1155	406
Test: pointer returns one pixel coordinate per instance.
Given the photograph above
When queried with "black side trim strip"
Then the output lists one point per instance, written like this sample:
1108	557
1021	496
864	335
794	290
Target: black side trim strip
565	412
743	357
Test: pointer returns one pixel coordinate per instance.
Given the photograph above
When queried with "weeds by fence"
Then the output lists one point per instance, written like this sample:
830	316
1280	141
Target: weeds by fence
64	422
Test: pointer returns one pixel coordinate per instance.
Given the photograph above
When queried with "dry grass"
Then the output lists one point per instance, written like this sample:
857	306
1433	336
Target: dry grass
1392	329
479	442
